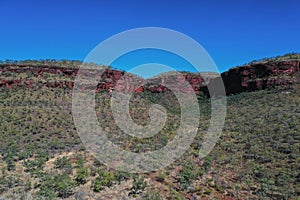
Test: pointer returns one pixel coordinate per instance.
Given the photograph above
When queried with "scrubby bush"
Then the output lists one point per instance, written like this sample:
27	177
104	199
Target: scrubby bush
62	163
139	184
151	195
161	176
57	186
81	175
104	179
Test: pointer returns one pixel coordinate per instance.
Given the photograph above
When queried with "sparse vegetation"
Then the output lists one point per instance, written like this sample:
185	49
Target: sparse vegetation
257	155
286	57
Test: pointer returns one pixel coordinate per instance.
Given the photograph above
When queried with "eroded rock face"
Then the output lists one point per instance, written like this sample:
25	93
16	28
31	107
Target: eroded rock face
260	76
236	80
110	80
176	83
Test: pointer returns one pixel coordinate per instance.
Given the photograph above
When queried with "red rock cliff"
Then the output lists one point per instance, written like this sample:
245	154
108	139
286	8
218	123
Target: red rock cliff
236	80
260	76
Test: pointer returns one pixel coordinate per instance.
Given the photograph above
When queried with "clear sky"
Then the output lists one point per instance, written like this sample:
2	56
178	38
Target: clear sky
233	32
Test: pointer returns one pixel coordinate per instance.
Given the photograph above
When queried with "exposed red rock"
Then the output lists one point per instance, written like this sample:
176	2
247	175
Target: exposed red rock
260	76
240	79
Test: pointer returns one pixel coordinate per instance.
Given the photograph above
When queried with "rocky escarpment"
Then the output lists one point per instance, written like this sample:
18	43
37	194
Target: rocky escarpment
260	76
240	79
60	77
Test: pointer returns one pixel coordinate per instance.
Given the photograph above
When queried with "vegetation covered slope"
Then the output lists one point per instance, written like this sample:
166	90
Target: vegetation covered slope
286	57
42	157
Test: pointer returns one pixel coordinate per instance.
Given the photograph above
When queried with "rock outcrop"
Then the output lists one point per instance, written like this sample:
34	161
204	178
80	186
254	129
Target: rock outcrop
260	76
236	80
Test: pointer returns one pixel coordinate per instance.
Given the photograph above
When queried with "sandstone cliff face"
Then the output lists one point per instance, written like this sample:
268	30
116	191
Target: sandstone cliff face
236	80
260	76
110	79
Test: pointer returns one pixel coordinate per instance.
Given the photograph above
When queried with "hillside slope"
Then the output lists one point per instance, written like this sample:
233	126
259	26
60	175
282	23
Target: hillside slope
42	156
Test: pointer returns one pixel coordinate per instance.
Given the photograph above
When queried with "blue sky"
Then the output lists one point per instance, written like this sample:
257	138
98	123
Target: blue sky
233	32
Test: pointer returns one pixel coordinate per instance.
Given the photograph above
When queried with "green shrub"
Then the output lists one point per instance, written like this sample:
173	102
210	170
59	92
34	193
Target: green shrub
161	176
176	195
62	163
58	186
64	185
121	176
11	166
188	174
207	163
105	179
82	174
139	184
